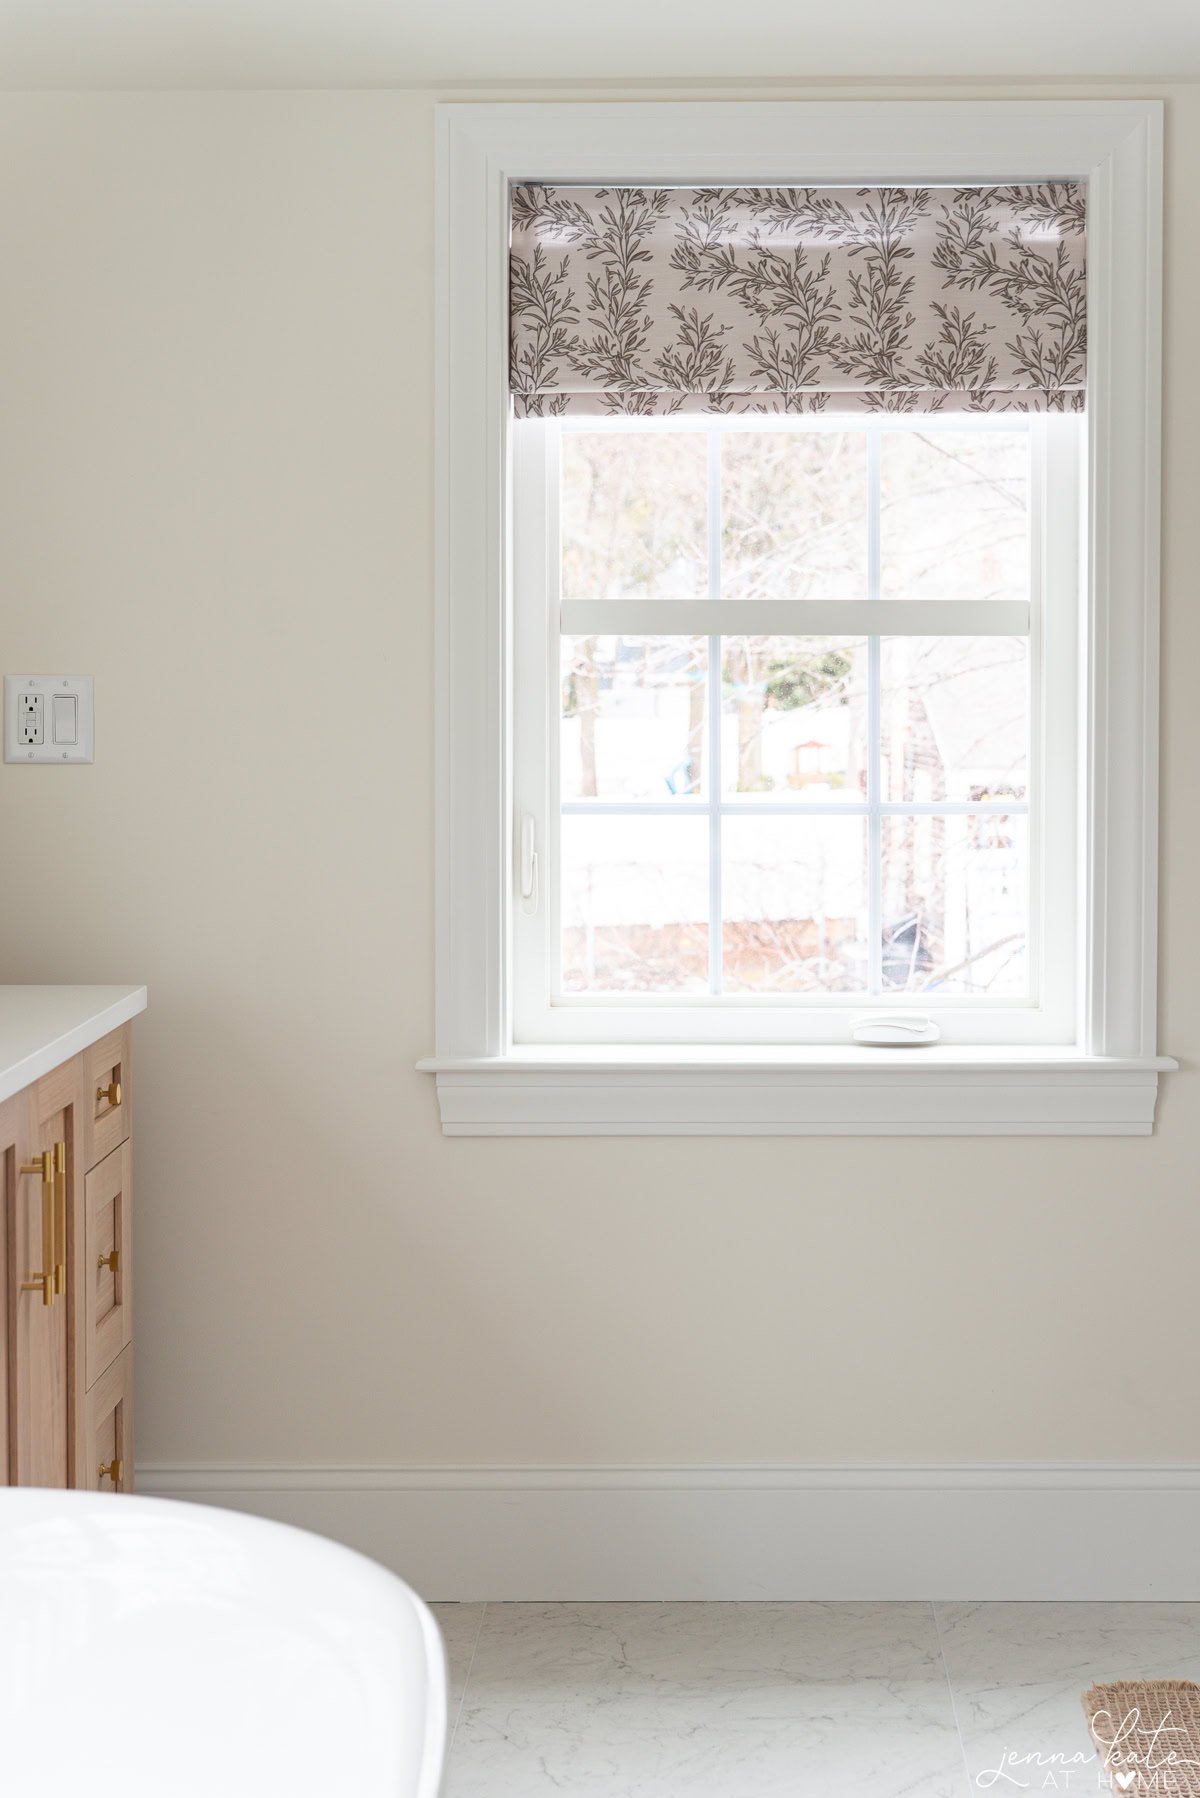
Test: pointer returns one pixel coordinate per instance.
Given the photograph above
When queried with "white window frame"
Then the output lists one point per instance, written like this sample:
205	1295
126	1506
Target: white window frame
1104	1080
1051	632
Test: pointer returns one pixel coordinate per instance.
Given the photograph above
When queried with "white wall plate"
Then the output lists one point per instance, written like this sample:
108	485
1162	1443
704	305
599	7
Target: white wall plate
49	718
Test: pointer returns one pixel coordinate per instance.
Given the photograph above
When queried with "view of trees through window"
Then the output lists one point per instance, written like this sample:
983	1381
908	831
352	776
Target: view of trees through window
794	814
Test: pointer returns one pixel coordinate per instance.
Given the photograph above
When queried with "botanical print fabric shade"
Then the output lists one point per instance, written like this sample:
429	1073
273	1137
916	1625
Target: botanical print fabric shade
798	299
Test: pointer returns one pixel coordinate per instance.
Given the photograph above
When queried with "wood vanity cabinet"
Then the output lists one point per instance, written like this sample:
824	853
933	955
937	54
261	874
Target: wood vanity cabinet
66	1346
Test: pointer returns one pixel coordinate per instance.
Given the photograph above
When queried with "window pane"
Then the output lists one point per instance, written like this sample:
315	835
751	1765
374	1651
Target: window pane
954	514
794	515
634	904
794	903
954	717
633	717
955	905
794	716
634	516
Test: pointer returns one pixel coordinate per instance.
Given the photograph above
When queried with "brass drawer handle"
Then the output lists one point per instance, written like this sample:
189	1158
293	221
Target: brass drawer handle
111	1472
44	1281
60	1188
111	1092
111	1261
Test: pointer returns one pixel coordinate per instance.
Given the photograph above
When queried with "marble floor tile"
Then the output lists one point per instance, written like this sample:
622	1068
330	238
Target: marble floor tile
723	1700
559	1650
1018	1673
853	1741
459	1624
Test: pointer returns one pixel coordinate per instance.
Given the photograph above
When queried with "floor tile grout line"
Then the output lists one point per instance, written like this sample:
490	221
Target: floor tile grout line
937	1625
462	1697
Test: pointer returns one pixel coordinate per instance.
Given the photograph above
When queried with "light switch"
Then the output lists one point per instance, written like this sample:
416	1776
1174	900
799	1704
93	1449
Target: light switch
65	708
49	718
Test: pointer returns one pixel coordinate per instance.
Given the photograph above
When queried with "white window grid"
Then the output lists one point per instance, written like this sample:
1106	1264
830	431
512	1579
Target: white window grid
541	1008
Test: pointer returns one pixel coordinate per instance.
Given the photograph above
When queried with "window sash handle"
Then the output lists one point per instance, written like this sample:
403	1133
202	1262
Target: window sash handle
528	869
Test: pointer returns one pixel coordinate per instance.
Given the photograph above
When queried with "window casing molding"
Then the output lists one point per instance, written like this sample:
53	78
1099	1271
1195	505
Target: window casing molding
1116	147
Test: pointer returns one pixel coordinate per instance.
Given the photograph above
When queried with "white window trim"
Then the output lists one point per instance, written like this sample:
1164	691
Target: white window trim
1104	1083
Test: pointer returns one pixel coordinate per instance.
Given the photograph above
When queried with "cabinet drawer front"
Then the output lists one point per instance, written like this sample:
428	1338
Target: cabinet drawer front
108	1095
108	1430
107	1270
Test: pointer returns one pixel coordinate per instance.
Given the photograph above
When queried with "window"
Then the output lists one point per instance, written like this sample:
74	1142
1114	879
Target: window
710	783
780	698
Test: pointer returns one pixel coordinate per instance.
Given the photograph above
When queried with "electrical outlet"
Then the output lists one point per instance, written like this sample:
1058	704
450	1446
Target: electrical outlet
48	718
29	718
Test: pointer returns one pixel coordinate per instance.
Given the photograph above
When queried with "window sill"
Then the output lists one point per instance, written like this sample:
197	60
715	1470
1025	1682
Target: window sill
657	1090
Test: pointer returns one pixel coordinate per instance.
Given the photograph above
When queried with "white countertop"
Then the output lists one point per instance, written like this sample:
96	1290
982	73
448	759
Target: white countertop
43	1026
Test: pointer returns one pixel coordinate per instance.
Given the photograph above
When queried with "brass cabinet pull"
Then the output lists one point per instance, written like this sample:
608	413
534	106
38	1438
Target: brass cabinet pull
111	1472
44	1281
60	1182
112	1261
111	1092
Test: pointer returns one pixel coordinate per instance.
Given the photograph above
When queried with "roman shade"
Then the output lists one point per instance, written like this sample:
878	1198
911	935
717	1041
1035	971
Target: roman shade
654	301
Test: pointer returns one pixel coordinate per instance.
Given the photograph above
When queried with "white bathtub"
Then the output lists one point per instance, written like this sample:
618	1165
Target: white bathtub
163	1650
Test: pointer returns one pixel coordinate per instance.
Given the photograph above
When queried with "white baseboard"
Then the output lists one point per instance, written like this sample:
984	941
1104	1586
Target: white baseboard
1072	1531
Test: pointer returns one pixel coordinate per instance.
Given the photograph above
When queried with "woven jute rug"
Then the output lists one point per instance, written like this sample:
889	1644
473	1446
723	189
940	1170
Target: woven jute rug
1147	1733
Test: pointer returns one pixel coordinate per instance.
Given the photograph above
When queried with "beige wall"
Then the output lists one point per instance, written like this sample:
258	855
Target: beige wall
215	423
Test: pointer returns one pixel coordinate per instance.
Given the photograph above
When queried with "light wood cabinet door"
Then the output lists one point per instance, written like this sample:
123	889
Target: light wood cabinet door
45	1230
108	1429
105	1270
12	1154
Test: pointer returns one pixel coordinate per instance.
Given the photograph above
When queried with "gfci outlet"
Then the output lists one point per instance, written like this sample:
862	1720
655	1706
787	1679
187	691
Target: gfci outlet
49	718
29	718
